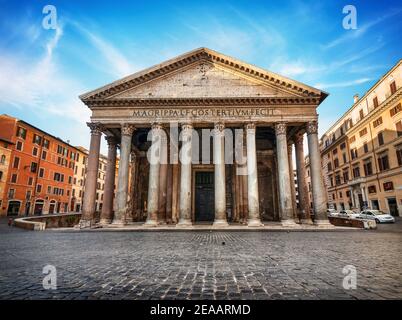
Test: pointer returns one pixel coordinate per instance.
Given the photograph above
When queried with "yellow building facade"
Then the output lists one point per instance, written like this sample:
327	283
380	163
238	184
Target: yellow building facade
361	153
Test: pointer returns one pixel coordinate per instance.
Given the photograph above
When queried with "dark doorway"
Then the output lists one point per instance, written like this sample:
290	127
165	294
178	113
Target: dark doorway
13	208
393	207
38	208
204	196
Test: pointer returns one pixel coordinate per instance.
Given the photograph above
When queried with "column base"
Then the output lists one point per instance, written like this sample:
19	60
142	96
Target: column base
323	223
184	223
306	221
220	223
254	223
150	223
118	222
105	221
288	223
83	224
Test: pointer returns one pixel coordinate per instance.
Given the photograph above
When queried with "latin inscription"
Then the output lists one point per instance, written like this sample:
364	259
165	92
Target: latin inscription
203	112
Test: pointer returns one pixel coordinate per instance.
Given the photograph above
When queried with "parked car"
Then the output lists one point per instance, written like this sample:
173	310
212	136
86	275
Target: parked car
377	215
350	214
332	213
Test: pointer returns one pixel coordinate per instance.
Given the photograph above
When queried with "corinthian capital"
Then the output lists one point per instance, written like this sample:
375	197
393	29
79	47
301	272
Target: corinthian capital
219	127
250	126
95	127
280	128
127	129
111	141
312	127
298	138
186	126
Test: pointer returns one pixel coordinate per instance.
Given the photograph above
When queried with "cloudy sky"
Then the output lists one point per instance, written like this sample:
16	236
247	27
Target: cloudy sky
42	72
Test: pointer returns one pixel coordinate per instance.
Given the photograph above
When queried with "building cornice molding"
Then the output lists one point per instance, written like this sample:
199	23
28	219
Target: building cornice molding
169	102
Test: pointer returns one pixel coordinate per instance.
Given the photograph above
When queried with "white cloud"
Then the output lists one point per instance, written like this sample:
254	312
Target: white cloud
342	83
350	35
117	64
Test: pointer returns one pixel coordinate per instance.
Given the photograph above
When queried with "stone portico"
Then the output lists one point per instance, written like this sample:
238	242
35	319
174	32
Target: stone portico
204	138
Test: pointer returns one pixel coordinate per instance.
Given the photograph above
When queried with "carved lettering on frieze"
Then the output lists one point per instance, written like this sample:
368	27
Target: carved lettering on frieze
201	113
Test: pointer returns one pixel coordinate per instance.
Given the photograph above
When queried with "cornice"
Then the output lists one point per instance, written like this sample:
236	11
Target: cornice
169	102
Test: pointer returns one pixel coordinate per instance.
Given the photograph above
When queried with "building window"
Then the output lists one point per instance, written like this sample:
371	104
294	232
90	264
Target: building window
329	166
49	189
344	157
11	193
16	163
1	175
30	181
375	102
361	114
352	139
41	172
363	132
340	195
335	151
348	194
383	163
356	172
399	155
398	127
37	139
372	189
395	110
28	195
337	179
22	132
365	147
46	143
3	159
353	153
377	122
346	176
44	154
14	178
336	163
342	146
34	167
38	188
392	86
34	151
388	186
18	146
380	138
368	168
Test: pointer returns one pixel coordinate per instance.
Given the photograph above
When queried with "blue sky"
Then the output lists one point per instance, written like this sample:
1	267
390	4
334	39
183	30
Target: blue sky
42	72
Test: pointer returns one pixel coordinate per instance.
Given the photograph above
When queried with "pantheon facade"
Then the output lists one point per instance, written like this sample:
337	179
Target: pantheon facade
181	105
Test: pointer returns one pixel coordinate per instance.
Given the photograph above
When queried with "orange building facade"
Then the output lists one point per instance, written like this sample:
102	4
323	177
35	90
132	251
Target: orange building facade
40	173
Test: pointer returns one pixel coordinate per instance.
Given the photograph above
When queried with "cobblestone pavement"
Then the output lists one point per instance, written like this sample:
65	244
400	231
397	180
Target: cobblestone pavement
197	265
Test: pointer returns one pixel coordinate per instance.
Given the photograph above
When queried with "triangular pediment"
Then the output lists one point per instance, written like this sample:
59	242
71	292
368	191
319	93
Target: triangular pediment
202	80
204	74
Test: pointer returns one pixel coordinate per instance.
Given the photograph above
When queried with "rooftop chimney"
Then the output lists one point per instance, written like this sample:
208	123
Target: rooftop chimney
355	98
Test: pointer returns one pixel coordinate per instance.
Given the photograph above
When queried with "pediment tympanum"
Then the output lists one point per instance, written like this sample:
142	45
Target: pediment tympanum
202	80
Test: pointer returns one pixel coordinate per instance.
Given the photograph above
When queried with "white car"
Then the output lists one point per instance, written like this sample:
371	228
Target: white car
377	215
350	214
332	213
